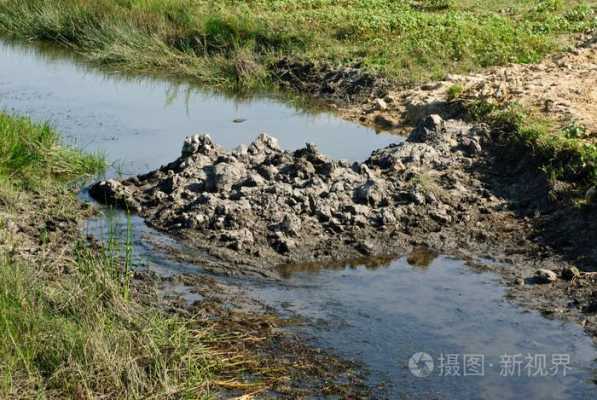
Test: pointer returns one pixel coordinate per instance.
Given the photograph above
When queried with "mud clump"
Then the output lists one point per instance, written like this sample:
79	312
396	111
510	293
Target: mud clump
262	206
323	81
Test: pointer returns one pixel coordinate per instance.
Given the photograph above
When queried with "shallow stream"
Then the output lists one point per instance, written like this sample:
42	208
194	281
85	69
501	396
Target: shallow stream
380	315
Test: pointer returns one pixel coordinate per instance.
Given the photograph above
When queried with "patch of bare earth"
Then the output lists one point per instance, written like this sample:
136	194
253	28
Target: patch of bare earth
562	88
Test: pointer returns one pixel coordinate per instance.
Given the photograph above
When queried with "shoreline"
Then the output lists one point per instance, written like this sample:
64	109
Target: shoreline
521	222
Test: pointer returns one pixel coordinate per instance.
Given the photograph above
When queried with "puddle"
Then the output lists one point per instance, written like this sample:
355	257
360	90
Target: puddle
380	313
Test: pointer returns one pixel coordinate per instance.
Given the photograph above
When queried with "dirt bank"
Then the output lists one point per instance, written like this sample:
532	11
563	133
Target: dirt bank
451	186
560	89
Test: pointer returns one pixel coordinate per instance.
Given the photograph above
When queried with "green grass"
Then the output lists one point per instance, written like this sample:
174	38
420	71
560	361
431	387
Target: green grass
31	153
232	43
63	336
69	326
561	153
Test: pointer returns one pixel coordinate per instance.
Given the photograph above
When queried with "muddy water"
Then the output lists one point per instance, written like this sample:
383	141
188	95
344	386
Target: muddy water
380	314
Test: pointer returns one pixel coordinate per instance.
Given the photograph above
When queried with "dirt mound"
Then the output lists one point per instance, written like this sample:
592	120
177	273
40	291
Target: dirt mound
259	207
262	206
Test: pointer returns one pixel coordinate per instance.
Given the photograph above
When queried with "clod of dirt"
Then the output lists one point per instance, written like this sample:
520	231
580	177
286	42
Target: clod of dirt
545	276
323	81
262	206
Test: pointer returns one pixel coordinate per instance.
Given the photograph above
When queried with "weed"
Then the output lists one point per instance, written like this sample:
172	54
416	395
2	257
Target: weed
454	92
561	154
575	130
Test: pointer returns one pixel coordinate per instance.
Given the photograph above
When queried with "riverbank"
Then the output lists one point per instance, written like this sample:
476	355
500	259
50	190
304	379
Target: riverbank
513	184
78	322
356	47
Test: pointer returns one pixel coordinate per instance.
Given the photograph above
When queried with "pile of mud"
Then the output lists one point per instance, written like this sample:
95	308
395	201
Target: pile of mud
262	206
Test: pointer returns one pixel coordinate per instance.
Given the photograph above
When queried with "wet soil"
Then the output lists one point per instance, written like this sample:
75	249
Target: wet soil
262	206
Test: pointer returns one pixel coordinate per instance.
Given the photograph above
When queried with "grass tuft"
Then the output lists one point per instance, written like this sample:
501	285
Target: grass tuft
561	153
31	153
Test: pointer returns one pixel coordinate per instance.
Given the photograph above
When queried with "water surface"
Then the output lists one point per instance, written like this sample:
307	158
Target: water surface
380	314
141	122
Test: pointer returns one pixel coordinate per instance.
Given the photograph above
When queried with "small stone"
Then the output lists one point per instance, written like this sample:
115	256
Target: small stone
380	104
570	273
430	129
440	217
281	243
545	276
471	146
389	99
417	197
368	193
365	248
238	239
269	172
254	180
264	142
388	218
291	224
225	176
196	143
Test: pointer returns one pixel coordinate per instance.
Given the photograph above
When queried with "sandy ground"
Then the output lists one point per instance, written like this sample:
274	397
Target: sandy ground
562	88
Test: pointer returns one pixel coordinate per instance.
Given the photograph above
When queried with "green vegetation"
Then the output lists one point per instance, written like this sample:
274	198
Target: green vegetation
233	43
30	153
559	152
69	327
454	92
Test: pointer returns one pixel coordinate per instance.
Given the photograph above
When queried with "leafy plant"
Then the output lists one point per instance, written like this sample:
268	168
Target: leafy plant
575	130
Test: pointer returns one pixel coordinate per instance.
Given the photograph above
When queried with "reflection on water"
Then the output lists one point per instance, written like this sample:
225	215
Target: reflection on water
287	270
421	257
141	122
383	313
